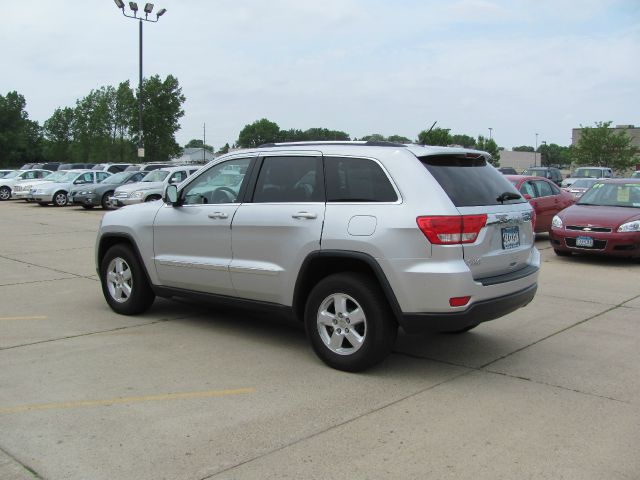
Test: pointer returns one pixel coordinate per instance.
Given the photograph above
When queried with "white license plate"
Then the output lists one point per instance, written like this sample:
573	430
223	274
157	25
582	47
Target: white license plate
510	238
584	242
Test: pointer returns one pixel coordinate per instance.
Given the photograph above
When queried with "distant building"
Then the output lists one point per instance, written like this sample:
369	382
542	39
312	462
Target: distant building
195	155
519	160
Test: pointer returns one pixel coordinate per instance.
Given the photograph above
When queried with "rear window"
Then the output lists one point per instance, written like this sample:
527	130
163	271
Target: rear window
469	182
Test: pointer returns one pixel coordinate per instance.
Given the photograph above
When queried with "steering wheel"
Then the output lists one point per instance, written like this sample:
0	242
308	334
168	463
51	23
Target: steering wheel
223	195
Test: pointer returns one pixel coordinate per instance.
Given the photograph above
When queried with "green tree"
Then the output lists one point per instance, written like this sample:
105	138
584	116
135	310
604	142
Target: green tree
258	133
490	146
604	147
374	137
20	138
58	131
554	155
398	139
463	140
324	134
196	143
523	148
163	100
224	149
435	136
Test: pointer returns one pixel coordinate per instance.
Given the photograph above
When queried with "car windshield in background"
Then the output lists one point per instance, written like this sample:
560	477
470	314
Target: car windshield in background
588	172
56	177
584	183
470	182
14	174
635	174
535	172
613	195
156	176
117	178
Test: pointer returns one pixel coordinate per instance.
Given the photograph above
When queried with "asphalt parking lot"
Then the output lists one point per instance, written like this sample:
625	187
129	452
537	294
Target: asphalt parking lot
194	392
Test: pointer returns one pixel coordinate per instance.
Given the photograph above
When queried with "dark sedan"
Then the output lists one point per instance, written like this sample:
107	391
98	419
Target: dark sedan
98	194
605	221
544	196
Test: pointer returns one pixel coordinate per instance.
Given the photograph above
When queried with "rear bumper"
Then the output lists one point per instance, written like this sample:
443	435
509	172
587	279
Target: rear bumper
478	312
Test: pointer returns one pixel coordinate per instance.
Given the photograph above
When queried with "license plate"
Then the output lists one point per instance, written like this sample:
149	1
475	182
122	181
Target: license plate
584	242
510	238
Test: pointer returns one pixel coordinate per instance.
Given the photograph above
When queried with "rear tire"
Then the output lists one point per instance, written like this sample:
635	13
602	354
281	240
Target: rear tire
561	253
349	322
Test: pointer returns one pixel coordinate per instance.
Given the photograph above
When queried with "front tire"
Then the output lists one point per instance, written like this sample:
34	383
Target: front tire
124	283
349	322
60	199
5	193
105	200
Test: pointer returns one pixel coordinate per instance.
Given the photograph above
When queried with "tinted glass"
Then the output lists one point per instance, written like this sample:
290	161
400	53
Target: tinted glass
220	184
613	195
589	172
156	176
543	189
290	179
469	181
527	188
357	180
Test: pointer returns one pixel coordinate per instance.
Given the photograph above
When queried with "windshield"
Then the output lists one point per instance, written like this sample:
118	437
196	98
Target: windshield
13	174
156	176
117	178
635	174
55	176
588	172
583	183
536	172
613	195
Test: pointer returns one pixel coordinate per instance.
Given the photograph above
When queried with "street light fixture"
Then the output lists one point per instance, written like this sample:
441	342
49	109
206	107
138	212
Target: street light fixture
535	153
148	8
490	131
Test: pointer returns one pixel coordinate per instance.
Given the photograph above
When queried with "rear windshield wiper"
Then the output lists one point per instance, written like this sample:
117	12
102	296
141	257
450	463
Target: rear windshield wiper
507	196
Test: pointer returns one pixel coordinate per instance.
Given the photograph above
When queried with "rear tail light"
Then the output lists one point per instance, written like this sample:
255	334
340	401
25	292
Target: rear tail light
452	230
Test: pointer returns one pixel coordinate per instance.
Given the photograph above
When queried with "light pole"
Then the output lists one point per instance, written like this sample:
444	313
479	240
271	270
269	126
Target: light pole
148	8
535	153
490	130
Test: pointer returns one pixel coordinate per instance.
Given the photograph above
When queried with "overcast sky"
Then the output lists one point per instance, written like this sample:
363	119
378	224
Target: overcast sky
361	66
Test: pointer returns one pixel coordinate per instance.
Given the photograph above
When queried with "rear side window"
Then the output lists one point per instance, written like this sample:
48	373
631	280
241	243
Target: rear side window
289	179
357	180
543	189
469	182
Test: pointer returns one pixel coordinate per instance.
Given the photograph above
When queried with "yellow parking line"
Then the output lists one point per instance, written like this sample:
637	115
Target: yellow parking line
33	317
115	401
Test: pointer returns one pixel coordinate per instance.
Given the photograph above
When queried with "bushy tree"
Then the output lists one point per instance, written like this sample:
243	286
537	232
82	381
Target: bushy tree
553	155
490	146
465	141
58	132
524	148
258	133
197	143
20	138
435	136
162	103
602	146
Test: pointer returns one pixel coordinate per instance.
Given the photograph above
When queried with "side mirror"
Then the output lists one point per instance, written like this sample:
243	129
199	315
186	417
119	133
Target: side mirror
171	195
527	196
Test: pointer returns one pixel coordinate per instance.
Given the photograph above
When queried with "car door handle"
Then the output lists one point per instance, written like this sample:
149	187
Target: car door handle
307	215
218	215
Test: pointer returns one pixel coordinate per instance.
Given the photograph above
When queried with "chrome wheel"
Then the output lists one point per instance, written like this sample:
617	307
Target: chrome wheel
342	324
5	193
119	280
60	199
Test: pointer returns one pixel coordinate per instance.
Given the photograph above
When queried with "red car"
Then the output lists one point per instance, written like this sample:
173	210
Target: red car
544	196
606	220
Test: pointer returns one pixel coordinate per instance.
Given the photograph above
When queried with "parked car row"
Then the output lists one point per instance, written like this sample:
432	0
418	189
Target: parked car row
94	187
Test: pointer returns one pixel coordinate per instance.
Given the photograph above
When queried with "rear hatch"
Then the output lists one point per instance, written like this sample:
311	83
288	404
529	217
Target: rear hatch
475	187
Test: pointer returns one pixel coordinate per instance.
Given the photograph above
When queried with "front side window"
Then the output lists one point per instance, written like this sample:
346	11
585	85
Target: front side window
357	180
220	184
177	177
100	176
543	189
527	189
290	179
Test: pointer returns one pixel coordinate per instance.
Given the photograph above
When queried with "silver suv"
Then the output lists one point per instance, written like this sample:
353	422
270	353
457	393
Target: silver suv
354	239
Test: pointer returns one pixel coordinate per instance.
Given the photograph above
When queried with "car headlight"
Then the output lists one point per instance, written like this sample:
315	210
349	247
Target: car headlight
630	227
137	194
556	222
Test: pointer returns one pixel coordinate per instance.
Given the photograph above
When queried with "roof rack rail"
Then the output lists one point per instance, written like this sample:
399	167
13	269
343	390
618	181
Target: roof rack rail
370	143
